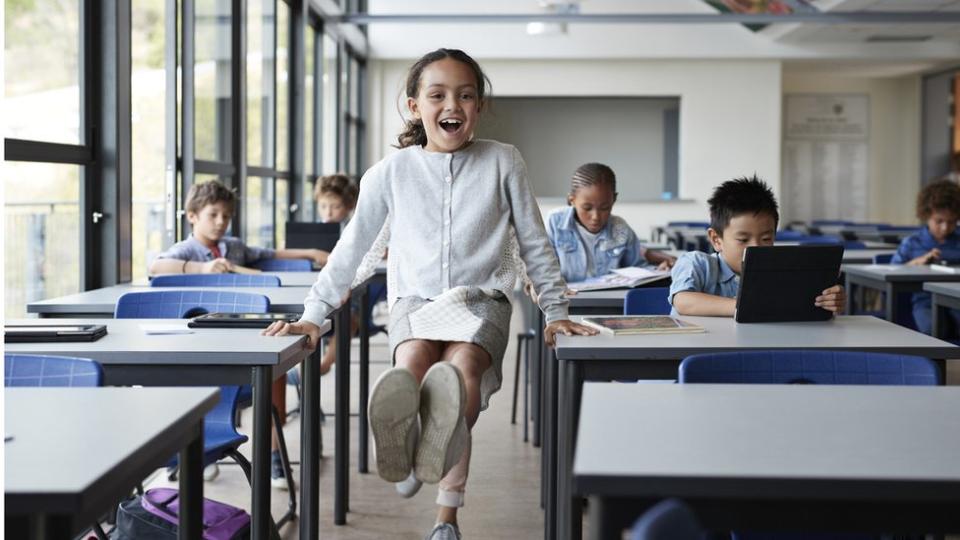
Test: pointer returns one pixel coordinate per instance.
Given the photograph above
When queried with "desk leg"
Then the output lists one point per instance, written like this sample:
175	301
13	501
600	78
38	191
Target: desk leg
549	442
260	515
191	487
341	495
569	507
938	317
364	390
890	305
310	447
536	355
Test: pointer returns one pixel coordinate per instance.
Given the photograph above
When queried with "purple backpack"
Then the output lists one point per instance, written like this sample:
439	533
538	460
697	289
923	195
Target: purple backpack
155	516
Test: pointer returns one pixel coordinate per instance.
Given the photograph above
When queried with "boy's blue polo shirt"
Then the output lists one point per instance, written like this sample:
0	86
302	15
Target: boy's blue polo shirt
699	272
231	248
922	241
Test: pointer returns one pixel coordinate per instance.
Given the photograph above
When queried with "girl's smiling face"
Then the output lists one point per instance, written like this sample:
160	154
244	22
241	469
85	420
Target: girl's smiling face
448	105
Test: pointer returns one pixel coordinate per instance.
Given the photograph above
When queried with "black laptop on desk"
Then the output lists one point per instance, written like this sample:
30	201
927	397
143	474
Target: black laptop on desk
780	283
307	235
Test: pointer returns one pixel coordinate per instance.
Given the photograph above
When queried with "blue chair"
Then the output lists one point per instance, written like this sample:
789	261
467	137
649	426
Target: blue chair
809	367
883	258
831	223
42	370
820	240
668	520
284	265
220	436
647	301
787	235
215	280
854	244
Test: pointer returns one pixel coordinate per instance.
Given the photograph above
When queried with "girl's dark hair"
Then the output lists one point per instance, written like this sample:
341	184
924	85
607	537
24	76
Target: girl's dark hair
593	174
939	195
413	131
339	185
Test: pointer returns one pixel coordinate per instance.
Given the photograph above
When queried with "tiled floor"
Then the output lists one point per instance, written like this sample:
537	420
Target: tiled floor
503	494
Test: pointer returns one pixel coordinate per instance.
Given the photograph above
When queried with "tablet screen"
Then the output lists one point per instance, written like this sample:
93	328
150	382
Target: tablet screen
248	316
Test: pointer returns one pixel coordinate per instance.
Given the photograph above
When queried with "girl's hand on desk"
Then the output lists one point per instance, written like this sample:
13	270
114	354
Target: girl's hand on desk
305	328
833	299
567	328
929	257
319	256
666	264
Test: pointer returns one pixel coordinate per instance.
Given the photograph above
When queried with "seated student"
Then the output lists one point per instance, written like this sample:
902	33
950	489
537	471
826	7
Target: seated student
336	197
210	207
588	239
938	205
743	213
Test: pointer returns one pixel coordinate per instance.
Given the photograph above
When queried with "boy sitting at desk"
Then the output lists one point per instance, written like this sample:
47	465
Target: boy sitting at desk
743	213
210	208
938	206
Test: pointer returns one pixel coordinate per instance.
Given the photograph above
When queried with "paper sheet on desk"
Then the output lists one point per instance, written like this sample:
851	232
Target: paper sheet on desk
165	329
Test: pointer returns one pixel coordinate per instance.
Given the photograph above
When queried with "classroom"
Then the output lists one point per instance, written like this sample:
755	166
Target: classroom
559	269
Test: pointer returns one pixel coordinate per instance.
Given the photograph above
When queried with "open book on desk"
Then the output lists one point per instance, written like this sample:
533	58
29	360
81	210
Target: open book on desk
620	278
641	324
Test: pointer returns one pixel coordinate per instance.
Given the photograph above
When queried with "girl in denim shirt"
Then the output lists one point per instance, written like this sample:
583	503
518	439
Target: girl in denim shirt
588	239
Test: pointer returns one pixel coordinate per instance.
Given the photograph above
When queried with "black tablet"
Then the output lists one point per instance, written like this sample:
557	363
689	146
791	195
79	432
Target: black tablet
780	283
37	333
306	235
241	320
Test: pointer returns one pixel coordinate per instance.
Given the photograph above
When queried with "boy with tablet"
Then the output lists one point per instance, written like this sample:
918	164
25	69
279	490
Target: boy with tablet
743	213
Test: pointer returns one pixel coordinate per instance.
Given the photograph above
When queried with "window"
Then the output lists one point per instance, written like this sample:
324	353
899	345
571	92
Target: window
148	97
310	155
329	94
257	211
261	97
283	88
212	81
42	246
42	64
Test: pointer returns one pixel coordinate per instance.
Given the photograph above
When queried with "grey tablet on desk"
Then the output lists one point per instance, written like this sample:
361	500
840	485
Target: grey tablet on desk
780	283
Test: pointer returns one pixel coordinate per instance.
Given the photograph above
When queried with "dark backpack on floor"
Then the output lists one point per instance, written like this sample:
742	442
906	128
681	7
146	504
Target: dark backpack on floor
155	516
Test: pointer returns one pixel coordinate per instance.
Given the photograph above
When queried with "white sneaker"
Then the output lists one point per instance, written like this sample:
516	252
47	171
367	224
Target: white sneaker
409	487
443	428
210	472
393	408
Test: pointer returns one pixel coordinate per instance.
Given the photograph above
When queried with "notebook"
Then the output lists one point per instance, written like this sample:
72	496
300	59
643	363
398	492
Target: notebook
641	324
37	333
780	283
619	279
241	320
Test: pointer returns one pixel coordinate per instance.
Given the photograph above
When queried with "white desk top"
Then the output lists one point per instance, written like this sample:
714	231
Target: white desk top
901	272
852	333
127	343
873	442
287	279
946	289
68	443
103	301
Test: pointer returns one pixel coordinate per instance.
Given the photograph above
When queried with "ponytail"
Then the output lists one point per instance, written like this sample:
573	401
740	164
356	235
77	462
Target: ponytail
413	134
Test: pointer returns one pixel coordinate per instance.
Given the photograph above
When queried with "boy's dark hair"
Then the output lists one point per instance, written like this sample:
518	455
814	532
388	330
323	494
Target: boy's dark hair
938	195
593	174
413	131
339	185
211	192
741	196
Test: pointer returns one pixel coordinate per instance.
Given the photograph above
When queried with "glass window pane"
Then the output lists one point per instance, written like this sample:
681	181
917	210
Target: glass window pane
258	212
42	238
148	120
211	72
329	94
280	212
310	40
41	54
346	143
260	89
283	86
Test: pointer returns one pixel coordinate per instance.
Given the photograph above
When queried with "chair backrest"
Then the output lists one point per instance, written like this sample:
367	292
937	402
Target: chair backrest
820	240
284	265
668	520
215	280
854	244
809	367
183	304
43	370
647	301
883	258
790	235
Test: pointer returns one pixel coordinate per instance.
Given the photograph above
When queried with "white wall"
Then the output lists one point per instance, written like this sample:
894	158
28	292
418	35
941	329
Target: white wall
729	116
894	165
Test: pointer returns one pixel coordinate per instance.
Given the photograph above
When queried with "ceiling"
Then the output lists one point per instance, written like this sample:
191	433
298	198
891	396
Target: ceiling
909	46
